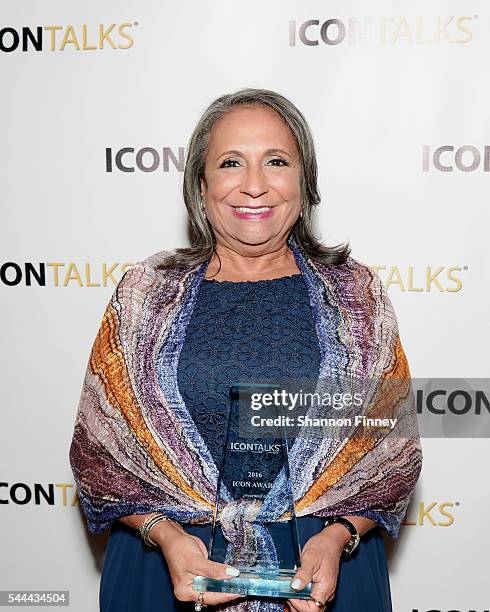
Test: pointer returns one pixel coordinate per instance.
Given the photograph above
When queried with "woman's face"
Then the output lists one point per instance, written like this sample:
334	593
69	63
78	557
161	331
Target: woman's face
251	186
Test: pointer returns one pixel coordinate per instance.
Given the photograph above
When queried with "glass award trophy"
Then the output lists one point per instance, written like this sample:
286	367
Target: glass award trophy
254	524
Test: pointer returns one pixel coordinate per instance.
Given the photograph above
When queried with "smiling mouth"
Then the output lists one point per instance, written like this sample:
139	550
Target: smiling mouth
252	211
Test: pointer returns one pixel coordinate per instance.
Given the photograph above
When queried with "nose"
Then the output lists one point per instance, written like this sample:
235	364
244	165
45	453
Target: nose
254	181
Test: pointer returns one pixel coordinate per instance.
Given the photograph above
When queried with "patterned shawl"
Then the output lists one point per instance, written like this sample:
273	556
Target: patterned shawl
136	449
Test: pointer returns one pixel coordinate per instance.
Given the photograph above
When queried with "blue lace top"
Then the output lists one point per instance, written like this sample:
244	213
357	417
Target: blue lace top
238	331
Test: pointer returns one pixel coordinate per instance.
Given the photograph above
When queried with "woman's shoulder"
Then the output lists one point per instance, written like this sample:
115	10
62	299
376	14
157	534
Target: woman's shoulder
370	293
358	287
148	266
358	265
155	260
353	272
150	273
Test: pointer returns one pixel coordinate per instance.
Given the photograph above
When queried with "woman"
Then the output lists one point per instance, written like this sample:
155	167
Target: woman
255	295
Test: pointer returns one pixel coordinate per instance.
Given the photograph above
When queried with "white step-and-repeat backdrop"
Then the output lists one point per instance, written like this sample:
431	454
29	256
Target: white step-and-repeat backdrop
98	100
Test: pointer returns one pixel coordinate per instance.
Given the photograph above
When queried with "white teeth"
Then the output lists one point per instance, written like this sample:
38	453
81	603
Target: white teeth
243	209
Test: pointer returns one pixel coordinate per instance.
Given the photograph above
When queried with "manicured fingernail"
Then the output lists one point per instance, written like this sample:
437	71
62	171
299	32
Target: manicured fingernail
296	583
232	571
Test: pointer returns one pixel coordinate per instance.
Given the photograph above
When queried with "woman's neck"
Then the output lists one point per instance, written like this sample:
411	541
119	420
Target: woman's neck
239	267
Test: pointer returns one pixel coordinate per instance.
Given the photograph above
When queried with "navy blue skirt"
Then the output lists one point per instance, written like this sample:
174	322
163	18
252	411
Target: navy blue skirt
136	579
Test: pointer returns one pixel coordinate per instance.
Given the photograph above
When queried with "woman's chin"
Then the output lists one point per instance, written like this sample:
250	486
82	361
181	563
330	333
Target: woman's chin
255	238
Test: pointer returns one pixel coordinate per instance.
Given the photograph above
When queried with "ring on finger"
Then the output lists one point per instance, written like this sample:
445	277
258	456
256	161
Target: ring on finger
200	602
318	603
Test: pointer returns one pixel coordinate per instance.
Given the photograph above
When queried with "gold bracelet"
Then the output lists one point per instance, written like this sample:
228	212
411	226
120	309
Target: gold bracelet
150	521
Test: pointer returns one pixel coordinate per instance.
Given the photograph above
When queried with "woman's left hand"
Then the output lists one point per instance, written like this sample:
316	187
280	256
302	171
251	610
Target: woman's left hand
320	559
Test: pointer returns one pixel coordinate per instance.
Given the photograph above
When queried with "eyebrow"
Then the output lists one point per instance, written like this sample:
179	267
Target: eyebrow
267	152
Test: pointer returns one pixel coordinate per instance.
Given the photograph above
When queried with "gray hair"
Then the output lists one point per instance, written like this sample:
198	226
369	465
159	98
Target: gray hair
202	238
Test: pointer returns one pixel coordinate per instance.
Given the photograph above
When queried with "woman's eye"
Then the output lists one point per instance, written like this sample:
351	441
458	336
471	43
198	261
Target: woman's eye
229	161
233	163
278	159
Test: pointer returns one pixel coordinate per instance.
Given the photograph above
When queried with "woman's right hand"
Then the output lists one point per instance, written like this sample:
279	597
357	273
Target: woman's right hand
186	557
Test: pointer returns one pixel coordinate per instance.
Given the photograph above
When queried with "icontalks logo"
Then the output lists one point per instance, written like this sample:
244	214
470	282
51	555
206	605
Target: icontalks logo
445	158
85	37
418	30
439	279
434	513
448	158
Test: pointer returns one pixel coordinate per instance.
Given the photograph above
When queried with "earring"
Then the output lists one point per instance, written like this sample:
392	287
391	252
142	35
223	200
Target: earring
301	213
